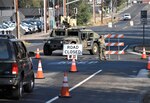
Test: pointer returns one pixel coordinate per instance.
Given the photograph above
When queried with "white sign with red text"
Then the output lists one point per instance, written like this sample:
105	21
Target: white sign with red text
72	49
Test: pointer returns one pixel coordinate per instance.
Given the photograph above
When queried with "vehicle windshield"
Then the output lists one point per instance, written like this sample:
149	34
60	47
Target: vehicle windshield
72	33
126	14
4	50
60	33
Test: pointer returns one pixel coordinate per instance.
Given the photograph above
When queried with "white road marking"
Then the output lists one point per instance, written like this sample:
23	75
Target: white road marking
143	73
77	85
124	48
135	53
93	62
80	62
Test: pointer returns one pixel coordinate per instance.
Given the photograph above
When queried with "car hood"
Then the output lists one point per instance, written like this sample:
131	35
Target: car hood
57	38
71	38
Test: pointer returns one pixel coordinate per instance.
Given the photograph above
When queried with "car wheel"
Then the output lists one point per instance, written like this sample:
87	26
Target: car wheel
94	50
29	86
47	50
18	91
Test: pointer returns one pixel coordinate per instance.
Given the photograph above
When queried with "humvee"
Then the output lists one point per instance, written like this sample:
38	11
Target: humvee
60	36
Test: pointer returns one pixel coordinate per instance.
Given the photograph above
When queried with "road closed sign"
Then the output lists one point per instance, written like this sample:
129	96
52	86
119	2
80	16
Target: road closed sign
72	49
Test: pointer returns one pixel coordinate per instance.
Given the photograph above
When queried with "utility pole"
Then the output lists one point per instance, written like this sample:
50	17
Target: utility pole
111	10
67	6
94	18
17	18
102	4
64	8
45	16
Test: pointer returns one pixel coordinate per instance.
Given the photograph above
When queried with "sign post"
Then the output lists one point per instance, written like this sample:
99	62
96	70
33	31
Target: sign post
144	21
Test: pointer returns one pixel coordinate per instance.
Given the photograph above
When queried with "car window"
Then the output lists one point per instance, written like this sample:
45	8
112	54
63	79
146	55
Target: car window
83	36
20	49
72	33
4	50
60	33
91	34
126	14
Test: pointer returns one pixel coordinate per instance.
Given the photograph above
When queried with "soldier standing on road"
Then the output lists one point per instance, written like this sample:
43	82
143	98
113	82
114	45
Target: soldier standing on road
102	48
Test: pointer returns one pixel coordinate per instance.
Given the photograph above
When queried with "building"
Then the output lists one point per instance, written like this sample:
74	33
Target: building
146	1
6	4
7	11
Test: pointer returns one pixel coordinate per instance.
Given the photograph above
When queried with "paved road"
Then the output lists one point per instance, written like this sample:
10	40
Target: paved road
113	81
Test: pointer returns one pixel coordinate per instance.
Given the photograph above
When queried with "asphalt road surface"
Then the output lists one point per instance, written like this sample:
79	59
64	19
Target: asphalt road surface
113	81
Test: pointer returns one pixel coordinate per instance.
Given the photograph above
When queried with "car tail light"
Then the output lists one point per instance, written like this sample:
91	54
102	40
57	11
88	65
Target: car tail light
14	68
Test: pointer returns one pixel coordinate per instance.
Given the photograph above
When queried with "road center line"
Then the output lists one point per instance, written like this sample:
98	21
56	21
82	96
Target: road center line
77	85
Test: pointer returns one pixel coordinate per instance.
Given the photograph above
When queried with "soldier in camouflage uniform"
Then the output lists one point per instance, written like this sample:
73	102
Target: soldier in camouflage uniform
102	48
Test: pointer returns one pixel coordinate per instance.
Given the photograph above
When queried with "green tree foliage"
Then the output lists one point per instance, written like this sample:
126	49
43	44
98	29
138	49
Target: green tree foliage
107	2
120	2
84	12
30	3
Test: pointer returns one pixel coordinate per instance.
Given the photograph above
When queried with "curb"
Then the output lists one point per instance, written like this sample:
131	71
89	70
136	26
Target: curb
35	36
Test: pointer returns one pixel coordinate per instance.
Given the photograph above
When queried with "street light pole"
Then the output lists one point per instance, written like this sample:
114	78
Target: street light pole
111	11
143	34
64	8
94	18
45	16
101	11
17	18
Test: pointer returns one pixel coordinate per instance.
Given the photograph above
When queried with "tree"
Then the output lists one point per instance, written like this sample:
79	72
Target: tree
84	12
30	3
120	2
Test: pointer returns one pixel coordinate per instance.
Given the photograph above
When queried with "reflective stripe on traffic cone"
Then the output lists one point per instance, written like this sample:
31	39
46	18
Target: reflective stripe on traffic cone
40	74
148	64
144	54
73	66
65	87
37	54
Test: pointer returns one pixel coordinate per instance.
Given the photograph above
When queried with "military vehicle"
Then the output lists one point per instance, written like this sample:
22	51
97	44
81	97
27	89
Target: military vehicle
60	36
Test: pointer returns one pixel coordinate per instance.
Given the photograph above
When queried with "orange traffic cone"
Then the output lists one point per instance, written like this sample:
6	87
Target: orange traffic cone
65	88
40	74
148	65
37	54
73	66
144	54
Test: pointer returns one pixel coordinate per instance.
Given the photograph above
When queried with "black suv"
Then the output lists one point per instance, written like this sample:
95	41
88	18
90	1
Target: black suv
16	74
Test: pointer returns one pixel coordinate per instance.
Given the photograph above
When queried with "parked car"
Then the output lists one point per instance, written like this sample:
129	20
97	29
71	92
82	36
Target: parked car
39	24
60	36
16	73
26	28
1	28
32	28
126	16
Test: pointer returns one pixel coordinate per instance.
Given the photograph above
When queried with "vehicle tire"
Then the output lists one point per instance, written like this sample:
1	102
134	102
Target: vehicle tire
94	50
47	50
18	91
29	86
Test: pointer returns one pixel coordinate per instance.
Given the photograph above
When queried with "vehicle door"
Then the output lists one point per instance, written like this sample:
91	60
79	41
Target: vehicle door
90	39
87	39
23	59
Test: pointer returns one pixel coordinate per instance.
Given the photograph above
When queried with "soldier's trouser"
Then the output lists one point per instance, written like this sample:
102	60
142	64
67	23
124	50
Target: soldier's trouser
102	53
